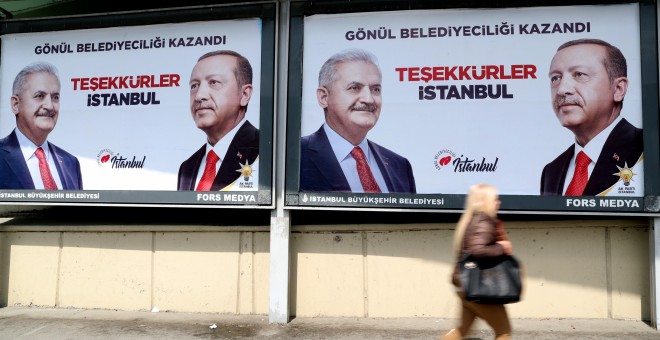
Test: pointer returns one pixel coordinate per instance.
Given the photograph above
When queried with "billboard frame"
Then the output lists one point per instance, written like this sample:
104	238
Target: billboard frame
648	205
262	198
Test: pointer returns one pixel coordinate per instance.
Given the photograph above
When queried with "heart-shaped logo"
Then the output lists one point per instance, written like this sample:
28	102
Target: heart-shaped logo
104	157
444	160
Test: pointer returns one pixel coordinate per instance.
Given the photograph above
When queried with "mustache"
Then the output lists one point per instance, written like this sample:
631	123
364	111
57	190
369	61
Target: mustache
569	100
46	113
364	107
200	106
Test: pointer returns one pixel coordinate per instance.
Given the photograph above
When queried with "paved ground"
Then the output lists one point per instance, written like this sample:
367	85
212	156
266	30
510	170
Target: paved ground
46	323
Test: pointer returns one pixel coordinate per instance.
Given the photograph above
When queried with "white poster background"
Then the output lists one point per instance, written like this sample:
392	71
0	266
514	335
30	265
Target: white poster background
522	133
165	133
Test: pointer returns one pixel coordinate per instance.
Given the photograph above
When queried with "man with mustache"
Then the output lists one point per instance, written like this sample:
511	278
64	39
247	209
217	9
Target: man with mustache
220	90
588	81
349	92
27	159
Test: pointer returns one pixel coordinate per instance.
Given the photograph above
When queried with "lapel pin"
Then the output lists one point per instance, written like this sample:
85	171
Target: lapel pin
616	157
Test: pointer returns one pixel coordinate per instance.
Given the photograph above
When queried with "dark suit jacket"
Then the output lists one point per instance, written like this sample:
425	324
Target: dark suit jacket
14	173
320	170
623	145
244	147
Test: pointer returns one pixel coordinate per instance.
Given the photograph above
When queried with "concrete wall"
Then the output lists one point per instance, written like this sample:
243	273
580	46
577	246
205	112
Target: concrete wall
188	271
575	269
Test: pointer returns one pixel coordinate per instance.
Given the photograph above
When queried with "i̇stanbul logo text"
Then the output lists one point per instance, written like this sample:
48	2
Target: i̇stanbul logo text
106	158
448	159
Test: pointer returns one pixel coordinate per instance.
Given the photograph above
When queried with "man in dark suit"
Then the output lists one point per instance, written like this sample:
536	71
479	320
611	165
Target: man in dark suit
331	158
220	90
588	84
27	159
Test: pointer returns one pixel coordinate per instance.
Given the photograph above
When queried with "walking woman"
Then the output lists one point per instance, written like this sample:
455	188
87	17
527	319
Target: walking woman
480	233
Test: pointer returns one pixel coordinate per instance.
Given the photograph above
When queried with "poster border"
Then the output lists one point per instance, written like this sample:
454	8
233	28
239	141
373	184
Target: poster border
648	204
262	198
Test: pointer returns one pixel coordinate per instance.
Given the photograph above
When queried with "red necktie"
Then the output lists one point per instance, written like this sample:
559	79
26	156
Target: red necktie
581	175
366	178
209	172
46	177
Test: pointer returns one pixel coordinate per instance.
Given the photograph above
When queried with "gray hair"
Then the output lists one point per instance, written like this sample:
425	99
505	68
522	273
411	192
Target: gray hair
614	62
328	73
38	67
243	72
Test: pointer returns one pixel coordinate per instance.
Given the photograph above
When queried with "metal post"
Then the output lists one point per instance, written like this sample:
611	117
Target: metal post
280	222
654	264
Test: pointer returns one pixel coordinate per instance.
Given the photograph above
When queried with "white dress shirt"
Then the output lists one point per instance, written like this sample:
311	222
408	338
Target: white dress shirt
28	148
342	149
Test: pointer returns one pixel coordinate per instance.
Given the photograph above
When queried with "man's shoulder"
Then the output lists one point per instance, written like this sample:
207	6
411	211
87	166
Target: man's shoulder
196	155
248	126
312	137
247	134
625	128
61	152
561	159
624	123
383	151
318	132
9	138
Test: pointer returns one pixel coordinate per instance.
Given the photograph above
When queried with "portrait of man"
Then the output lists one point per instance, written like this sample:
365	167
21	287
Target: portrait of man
588	82
338	156
28	160
220	90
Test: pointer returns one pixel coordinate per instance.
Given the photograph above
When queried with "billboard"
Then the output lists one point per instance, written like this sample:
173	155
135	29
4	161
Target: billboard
440	99
137	108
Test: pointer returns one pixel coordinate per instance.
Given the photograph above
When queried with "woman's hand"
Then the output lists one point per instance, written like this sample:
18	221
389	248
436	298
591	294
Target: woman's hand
506	244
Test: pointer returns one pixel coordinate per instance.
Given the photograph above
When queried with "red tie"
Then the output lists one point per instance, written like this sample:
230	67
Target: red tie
366	178
46	177
209	172
580	177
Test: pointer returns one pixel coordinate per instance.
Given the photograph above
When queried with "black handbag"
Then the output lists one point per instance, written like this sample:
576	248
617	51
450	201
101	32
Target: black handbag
492	280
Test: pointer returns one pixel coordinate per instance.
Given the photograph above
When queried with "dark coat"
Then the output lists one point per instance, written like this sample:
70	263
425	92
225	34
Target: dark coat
244	147
623	146
320	170
14	173
480	240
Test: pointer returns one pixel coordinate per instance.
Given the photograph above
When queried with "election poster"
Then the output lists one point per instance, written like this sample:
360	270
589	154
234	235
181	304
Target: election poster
470	96
136	113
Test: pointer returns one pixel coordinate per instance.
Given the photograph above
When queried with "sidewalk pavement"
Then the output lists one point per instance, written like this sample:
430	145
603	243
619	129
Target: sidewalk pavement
63	323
